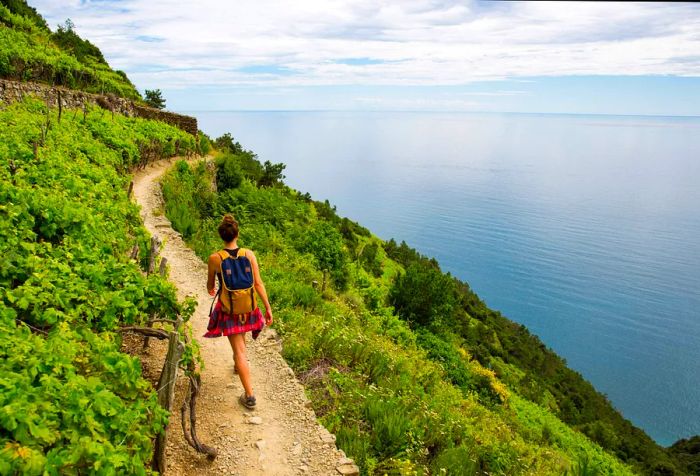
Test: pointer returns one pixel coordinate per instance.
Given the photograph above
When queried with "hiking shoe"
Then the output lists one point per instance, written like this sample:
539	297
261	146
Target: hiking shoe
248	402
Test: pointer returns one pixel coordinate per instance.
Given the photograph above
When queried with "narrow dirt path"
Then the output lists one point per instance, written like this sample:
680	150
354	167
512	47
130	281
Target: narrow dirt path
282	436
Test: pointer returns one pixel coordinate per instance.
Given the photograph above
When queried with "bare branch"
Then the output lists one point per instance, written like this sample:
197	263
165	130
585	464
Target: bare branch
146	331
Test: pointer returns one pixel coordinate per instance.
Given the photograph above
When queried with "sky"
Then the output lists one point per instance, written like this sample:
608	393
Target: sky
418	55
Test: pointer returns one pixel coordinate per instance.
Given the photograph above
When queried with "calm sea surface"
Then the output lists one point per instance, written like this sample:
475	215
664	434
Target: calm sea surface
584	228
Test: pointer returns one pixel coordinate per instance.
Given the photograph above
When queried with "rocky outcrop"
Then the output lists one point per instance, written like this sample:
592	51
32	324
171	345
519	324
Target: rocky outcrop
11	91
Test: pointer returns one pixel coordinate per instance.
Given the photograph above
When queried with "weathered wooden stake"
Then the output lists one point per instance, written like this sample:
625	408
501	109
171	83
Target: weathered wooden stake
166	395
131	189
155	250
163	266
60	105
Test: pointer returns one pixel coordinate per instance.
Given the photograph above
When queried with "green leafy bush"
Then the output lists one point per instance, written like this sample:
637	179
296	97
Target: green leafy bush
204	143
325	244
70	402
73	401
228	173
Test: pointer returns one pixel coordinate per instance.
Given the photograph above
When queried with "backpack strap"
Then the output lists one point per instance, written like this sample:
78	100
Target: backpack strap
223	254
241	252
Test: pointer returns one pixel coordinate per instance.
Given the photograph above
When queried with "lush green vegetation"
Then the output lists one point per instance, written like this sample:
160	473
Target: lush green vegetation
70	401
29	51
404	363
396	359
518	358
688	453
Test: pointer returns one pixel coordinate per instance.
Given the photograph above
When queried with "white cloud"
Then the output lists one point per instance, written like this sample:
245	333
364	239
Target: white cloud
410	42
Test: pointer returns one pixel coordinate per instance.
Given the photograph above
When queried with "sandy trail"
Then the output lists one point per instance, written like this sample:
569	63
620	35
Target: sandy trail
285	438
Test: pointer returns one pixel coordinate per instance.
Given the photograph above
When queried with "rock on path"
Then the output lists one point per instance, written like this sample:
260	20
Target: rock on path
281	436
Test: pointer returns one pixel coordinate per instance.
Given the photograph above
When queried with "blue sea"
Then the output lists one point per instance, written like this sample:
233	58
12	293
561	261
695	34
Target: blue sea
584	228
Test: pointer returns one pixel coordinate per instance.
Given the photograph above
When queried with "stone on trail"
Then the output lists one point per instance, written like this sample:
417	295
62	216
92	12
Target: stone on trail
326	436
348	470
256	420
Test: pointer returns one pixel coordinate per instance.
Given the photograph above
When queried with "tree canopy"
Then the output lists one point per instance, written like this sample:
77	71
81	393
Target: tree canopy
154	98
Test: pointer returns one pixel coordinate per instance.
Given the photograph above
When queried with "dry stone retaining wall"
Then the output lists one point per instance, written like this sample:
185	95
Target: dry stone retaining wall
11	91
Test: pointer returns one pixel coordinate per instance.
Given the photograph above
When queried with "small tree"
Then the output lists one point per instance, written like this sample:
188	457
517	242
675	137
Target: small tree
324	242
204	143
423	295
228	173
154	98
227	143
272	174
370	260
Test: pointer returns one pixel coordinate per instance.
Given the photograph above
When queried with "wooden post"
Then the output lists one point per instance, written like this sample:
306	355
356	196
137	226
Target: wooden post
166	395
60	106
155	250
163	266
162	270
131	189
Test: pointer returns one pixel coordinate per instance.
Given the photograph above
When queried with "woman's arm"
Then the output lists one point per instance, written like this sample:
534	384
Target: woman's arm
213	265
260	287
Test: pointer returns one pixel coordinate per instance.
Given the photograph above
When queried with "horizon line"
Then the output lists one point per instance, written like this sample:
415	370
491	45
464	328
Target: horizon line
686	116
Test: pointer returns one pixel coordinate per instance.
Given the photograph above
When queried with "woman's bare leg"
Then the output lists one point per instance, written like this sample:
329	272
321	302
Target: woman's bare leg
237	342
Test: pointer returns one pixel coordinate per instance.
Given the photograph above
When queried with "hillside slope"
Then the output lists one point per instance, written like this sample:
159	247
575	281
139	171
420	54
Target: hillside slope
479	353
401	399
29	51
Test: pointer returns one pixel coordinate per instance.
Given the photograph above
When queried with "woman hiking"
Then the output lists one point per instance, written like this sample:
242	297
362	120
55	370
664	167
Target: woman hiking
235	311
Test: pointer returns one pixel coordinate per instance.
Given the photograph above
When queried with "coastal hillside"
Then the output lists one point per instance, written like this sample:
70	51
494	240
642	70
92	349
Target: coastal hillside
30	51
409	369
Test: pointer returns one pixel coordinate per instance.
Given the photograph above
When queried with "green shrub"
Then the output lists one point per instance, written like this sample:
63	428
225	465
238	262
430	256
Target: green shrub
70	402
271	174
459	461
325	244
423	295
448	357
204	143
228	173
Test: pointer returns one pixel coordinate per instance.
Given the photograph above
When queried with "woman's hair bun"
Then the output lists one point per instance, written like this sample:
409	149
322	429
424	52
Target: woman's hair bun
228	229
